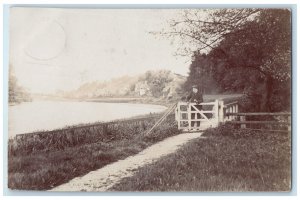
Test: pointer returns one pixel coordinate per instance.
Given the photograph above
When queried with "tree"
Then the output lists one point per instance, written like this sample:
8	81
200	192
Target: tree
201	74
203	29
262	49
241	42
157	81
16	93
12	86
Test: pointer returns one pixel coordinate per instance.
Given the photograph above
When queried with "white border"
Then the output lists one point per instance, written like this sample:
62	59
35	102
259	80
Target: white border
178	2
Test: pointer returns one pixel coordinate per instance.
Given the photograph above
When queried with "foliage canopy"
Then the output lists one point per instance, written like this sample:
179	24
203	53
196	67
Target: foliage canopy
239	50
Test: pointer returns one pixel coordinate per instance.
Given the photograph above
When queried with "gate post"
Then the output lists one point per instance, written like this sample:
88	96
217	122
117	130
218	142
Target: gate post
178	115
216	111
221	112
243	118
236	110
189	109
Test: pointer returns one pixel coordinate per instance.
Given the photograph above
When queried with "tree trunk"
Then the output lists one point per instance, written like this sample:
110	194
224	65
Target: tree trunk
267	95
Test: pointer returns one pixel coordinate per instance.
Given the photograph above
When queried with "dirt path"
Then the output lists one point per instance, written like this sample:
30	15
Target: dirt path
106	177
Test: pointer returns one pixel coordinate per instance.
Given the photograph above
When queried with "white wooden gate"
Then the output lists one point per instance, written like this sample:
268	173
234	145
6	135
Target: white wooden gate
190	118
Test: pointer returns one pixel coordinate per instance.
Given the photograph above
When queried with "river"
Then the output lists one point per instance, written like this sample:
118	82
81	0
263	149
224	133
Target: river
48	115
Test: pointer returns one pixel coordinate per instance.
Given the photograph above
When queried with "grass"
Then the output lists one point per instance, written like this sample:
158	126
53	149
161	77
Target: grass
227	159
41	161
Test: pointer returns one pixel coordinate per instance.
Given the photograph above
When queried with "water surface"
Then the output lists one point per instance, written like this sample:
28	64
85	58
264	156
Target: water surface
48	115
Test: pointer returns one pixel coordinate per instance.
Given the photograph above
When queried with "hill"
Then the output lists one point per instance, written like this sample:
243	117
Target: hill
157	84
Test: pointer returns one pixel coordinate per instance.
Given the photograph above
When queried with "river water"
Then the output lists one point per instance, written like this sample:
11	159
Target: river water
48	115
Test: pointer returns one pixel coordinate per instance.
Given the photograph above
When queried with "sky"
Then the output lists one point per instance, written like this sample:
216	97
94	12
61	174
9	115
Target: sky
60	49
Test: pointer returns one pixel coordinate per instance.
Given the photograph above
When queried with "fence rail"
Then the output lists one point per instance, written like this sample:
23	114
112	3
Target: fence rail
259	122
259	114
243	122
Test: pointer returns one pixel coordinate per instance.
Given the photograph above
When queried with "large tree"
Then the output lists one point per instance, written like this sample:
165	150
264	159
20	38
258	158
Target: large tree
203	29
250	49
262	48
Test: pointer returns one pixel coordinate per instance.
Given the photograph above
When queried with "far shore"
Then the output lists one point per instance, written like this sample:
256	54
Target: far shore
160	101
144	100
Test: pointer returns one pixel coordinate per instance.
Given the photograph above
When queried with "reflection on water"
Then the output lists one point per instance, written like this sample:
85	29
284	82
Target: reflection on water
48	115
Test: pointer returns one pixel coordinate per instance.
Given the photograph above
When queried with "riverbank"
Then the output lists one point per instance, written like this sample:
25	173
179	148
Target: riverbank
43	161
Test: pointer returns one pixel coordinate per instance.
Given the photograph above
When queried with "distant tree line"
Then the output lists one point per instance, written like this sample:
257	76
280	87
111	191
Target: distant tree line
16	93
160	84
157	81
240	51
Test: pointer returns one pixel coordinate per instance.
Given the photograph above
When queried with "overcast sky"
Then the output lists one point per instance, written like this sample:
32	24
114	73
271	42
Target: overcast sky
59	49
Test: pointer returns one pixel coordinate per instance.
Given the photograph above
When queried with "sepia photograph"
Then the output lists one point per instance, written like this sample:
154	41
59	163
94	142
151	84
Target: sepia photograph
149	99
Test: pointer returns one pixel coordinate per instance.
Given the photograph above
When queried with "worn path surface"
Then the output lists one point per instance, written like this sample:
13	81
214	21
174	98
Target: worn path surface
106	177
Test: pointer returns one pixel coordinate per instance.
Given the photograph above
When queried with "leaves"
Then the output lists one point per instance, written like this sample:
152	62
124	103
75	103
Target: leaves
239	50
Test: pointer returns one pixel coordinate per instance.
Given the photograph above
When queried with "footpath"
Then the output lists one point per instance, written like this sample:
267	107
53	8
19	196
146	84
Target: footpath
105	177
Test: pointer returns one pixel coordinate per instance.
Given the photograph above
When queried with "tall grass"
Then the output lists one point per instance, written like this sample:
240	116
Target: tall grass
227	159
41	161
78	135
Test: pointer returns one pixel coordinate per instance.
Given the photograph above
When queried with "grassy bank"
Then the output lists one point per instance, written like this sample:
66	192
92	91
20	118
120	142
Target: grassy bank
226	159
41	161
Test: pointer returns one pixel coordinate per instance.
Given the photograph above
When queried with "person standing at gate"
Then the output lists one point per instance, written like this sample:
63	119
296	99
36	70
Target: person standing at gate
195	96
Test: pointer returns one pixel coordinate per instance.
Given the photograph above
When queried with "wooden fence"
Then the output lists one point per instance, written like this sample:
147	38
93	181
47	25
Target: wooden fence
227	113
243	121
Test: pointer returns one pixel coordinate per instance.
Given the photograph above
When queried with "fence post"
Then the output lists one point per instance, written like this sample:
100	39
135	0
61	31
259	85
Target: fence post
226	111
237	110
178	115
243	118
221	112
216	111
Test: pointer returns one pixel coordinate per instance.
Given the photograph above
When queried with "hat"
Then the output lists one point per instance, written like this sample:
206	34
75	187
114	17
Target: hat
195	86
